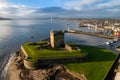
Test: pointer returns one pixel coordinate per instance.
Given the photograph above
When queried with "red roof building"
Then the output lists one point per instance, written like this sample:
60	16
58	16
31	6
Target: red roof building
117	33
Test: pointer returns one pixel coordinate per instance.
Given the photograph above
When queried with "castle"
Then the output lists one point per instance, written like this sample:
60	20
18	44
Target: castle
63	53
56	39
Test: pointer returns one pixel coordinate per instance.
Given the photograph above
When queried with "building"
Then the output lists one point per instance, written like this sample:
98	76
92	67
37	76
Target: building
117	33
116	27
56	38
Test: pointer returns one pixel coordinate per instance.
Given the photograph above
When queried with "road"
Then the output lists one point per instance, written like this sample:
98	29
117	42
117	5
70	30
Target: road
112	46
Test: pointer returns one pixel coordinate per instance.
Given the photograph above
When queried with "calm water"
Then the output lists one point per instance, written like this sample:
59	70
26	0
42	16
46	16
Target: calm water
14	32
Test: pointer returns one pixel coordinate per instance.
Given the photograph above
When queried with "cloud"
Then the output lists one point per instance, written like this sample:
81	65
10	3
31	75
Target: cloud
71	13
94	8
14	10
82	5
71	8
79	4
109	4
3	4
114	10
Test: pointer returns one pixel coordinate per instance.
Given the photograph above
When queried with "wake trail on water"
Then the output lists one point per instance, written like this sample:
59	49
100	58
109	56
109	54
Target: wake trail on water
5	65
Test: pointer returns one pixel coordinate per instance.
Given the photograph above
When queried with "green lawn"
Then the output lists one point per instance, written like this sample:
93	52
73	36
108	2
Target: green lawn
97	65
45	52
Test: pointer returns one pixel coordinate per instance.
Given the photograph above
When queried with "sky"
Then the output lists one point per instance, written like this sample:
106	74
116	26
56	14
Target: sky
60	8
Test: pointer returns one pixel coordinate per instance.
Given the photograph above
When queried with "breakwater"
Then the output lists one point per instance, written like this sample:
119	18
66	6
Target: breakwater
96	34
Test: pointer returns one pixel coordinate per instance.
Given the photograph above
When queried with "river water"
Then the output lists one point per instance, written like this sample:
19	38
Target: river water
15	32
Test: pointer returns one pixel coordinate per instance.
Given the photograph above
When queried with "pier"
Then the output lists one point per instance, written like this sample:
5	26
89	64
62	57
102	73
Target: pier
97	34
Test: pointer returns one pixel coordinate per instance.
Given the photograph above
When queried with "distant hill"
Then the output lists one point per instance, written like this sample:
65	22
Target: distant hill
1	18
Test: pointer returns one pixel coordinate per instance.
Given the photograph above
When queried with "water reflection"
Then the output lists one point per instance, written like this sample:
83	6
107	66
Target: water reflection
27	23
84	39
5	32
5	23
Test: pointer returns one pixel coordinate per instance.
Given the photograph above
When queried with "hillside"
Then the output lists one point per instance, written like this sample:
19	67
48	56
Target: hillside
1	18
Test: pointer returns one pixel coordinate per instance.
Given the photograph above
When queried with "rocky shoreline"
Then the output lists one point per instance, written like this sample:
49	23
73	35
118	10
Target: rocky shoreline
16	71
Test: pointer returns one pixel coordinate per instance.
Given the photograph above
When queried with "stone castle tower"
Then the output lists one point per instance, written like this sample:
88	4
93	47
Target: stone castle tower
56	38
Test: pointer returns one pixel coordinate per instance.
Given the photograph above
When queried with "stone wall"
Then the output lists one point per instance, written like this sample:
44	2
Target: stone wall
59	40
52	38
24	52
111	73
29	64
69	48
45	61
61	60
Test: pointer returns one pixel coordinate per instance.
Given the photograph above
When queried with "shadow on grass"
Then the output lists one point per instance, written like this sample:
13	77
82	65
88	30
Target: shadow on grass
96	54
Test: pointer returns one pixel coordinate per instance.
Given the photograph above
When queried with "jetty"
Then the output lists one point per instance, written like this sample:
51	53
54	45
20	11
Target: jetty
96	34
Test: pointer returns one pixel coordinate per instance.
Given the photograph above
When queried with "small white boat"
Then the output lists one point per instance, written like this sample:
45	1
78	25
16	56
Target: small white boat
70	30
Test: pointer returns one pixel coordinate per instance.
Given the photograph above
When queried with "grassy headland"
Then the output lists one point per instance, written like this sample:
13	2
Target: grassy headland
97	65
